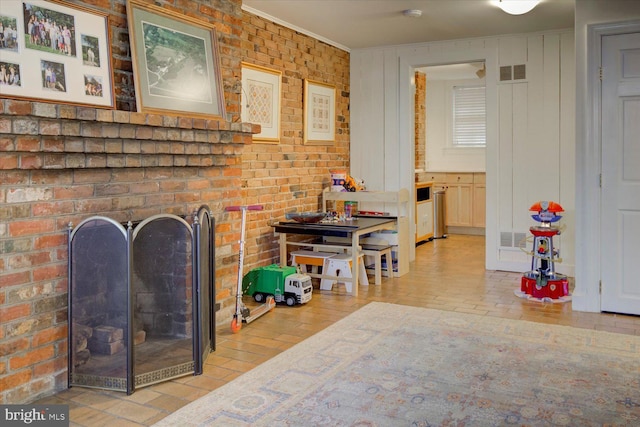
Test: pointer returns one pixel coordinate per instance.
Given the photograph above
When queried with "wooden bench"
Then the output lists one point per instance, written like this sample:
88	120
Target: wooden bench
371	250
315	259
377	252
319	245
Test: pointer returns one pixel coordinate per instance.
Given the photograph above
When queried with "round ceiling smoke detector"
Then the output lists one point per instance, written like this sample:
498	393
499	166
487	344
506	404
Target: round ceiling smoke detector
412	13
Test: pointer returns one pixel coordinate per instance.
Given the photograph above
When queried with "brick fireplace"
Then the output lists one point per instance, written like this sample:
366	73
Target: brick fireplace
140	300
61	164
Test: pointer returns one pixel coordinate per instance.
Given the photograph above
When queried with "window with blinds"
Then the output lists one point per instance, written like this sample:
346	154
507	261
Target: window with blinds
469	116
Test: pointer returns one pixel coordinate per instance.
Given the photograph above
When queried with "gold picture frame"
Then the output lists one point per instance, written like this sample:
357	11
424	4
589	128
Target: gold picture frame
319	113
261	97
176	63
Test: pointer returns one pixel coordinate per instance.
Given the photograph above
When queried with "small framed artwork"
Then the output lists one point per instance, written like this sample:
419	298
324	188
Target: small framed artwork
319	113
261	101
176	62
55	51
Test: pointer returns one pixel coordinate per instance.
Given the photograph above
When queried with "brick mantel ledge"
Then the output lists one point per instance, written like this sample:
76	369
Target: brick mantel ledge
37	135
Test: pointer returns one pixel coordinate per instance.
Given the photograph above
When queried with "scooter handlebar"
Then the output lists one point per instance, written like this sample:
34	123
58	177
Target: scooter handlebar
245	207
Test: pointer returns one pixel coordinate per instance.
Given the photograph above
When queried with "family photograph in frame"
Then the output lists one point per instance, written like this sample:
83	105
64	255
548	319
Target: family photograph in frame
43	52
319	113
261	101
176	62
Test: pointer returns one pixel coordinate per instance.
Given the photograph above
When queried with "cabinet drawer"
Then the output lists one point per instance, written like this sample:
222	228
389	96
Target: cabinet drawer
459	178
479	178
435	176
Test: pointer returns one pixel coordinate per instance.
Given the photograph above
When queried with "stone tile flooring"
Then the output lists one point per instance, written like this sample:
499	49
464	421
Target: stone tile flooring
448	274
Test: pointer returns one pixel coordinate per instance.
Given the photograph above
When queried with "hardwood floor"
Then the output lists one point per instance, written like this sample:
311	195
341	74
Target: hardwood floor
448	274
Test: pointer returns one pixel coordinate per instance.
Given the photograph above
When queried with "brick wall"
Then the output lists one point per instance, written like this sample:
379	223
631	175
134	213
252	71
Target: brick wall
61	164
421	119
290	175
105	163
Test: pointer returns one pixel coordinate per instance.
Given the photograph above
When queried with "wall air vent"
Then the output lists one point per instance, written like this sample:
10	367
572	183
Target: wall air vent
510	239
506	239
519	72
505	73
520	240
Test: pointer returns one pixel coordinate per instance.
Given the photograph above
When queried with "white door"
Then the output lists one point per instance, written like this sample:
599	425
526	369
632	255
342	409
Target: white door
620	214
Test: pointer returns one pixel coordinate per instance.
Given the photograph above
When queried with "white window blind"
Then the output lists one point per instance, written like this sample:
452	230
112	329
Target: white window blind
469	116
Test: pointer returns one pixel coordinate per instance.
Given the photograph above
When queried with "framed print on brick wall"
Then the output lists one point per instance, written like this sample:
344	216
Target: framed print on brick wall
55	51
261	101
319	113
176	62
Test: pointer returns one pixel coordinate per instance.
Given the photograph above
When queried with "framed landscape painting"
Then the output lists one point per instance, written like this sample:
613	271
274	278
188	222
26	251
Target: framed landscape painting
55	51
176	62
319	113
261	101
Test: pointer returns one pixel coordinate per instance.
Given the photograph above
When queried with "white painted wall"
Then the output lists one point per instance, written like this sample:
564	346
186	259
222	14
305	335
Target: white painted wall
530	126
593	19
441	156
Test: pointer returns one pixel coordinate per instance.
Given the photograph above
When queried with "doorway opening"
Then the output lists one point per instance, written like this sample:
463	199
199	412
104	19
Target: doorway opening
450	140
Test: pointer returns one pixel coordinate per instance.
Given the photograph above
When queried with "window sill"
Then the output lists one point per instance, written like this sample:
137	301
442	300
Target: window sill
464	150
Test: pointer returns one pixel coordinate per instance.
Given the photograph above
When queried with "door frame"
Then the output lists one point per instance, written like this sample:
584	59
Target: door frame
587	296
412	58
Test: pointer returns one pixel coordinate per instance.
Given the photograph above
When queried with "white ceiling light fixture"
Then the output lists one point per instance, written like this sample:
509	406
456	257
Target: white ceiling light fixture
412	13
516	7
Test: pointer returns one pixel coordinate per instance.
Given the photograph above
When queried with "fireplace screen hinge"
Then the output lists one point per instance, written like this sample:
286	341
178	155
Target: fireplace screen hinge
600	73
600	287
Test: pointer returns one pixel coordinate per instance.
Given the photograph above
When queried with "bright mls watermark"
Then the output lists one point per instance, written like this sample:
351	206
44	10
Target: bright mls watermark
34	415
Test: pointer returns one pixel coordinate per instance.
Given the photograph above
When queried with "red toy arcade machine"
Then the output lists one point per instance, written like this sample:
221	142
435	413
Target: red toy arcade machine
542	282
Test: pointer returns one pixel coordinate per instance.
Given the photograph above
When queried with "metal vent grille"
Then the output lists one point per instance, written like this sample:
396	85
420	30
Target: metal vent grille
505	73
519	72
520	240
506	239
510	239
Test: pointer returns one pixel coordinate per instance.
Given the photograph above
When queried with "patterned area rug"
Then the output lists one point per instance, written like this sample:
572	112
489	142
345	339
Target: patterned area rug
393	365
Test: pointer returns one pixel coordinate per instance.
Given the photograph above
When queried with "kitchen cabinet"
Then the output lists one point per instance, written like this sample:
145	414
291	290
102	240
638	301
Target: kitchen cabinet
459	199
424	211
479	200
437	178
465	199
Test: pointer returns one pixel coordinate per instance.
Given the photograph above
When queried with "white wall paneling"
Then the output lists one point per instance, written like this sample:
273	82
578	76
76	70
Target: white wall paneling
367	127
524	119
567	153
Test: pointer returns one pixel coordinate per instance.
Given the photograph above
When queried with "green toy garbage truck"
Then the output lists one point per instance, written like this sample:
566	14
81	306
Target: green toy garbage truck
285	284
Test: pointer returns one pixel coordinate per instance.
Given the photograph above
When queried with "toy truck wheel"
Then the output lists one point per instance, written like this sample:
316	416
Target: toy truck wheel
291	301
258	297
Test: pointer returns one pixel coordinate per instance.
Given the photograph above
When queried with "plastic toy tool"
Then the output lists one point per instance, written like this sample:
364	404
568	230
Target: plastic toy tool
542	281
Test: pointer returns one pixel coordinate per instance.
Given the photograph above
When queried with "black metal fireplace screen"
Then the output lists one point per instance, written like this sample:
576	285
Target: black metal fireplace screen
141	300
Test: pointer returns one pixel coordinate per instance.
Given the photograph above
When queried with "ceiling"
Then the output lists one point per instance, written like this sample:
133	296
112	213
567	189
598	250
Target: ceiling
357	24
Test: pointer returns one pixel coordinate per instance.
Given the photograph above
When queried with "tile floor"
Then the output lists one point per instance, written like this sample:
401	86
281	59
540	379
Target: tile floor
448	274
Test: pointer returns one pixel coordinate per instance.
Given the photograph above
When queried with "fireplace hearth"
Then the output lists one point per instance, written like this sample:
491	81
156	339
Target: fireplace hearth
140	300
